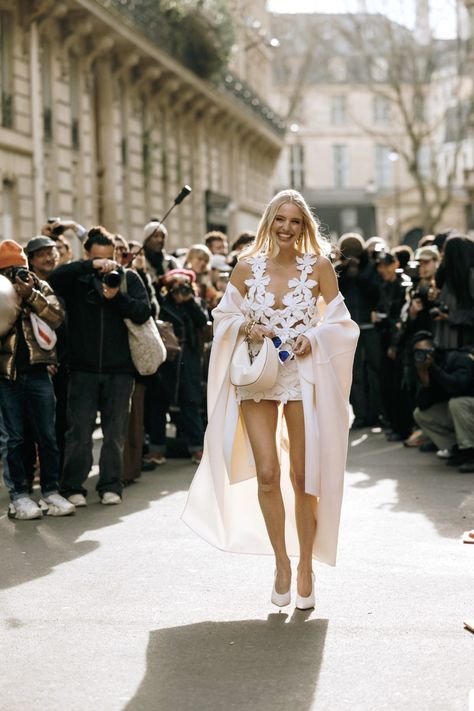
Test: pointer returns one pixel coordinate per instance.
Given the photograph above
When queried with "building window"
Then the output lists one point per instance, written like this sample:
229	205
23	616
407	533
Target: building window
383	167
123	123
147	145
74	100
419	107
338	110
424	161
348	219
297	166
379	69
340	160
338	69
381	109
6	69
8	209
47	93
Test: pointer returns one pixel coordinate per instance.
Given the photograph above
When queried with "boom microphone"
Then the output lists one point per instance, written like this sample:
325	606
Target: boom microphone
185	191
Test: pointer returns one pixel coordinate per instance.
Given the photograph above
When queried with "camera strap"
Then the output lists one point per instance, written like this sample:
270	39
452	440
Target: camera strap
123	283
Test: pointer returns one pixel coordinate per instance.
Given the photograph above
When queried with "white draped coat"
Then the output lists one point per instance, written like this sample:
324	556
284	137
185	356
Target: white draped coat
222	505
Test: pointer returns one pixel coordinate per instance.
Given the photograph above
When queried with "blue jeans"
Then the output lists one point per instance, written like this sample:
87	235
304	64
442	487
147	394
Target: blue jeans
30	394
4	454
87	394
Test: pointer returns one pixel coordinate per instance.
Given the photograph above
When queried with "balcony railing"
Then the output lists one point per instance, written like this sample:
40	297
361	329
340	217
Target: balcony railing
149	22
254	102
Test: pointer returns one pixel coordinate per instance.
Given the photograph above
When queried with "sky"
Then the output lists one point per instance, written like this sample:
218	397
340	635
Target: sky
443	15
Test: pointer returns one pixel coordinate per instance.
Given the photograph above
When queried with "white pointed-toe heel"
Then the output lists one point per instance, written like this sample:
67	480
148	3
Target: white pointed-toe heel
306	603
280	599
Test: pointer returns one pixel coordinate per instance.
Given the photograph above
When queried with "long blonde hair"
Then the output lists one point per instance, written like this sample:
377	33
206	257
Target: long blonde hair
311	241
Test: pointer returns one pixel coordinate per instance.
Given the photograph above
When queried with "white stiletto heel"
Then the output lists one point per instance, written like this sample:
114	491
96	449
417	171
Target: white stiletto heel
306	603
280	599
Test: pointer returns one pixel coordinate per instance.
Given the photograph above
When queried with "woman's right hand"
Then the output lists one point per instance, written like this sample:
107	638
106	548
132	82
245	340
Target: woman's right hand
258	332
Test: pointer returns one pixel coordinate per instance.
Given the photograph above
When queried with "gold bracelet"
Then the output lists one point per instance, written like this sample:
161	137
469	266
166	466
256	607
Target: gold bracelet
248	328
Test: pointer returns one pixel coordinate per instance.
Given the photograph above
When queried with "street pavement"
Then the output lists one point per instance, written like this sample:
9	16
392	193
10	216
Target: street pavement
125	608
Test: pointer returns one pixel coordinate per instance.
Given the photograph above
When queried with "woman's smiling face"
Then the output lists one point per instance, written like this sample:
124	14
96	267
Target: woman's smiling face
287	225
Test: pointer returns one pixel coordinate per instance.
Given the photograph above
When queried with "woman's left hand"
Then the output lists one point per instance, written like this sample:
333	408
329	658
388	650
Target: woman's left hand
302	346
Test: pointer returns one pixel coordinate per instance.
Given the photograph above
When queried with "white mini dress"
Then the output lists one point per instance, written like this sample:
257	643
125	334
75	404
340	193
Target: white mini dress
300	312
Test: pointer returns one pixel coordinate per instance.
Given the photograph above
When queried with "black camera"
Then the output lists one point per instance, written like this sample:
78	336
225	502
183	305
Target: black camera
439	307
113	278
419	292
183	289
421	354
19	272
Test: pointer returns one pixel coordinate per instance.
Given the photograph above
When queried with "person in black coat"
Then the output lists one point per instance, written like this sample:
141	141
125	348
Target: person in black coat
179	382
392	297
359	283
100	363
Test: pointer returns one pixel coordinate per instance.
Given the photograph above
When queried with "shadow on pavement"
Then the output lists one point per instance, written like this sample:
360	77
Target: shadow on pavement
31	549
245	664
425	484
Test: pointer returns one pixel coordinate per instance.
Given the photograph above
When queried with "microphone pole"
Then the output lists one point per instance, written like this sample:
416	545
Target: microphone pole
185	191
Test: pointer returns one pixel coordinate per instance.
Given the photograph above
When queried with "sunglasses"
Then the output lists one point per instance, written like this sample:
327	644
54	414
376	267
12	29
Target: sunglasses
283	354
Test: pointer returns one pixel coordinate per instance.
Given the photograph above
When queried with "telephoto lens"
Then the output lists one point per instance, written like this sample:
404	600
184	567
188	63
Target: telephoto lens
421	354
22	274
112	278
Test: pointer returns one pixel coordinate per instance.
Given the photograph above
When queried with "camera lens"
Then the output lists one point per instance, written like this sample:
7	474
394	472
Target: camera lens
23	274
112	279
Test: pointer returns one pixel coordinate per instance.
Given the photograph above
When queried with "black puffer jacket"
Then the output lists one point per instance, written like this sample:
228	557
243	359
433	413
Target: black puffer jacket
97	334
451	375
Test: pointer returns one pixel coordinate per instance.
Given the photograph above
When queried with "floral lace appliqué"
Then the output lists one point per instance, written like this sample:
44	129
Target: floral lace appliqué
299	312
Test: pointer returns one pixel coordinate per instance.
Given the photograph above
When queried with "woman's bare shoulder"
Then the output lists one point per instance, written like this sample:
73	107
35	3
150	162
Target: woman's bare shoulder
323	262
240	273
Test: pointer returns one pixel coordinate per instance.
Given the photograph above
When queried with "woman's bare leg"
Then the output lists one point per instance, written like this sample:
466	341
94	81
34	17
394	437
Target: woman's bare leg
261	422
305	504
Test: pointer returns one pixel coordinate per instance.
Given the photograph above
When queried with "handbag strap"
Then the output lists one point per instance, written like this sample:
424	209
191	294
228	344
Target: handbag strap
123	283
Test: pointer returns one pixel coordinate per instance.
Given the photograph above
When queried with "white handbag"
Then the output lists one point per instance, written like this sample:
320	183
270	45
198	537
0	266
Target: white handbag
146	346
147	349
255	373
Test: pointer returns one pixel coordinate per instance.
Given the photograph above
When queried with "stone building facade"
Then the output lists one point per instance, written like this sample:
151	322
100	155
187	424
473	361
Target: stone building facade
343	147
98	124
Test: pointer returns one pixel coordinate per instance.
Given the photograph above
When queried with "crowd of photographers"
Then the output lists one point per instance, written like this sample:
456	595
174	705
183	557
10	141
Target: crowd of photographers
414	365
65	358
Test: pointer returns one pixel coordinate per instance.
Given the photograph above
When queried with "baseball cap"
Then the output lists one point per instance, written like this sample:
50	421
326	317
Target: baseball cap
426	253
39	242
384	258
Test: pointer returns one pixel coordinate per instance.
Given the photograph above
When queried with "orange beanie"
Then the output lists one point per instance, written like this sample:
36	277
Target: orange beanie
12	255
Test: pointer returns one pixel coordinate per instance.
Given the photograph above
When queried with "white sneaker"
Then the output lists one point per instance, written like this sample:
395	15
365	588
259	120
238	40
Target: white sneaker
79	500
110	497
24	509
56	505
443	453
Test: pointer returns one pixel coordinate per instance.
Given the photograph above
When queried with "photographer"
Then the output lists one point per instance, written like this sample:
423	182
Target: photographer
359	284
43	258
420	308
180	380
26	391
392	297
416	315
445	399
101	368
453	311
